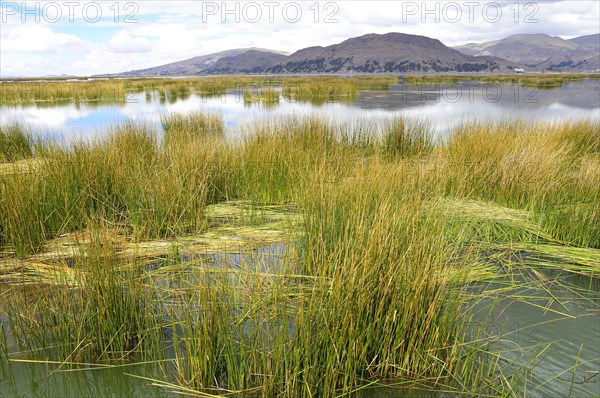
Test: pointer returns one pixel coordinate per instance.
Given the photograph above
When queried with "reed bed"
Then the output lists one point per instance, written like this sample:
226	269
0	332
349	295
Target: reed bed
319	88
265	89
540	81
390	230
125	179
265	95
27	92
15	143
189	127
548	169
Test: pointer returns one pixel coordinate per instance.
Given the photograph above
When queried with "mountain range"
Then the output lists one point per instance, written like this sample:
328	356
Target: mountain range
398	53
542	52
199	65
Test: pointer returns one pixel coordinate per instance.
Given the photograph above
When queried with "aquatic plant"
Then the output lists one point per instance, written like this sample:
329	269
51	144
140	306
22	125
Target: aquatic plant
132	247
15	143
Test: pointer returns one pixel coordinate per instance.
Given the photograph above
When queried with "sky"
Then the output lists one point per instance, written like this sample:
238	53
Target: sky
42	38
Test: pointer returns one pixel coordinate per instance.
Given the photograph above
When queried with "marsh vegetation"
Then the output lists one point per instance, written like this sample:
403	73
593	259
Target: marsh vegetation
539	81
109	248
314	88
117	90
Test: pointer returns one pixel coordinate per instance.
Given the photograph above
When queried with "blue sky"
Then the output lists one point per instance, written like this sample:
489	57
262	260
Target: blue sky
93	37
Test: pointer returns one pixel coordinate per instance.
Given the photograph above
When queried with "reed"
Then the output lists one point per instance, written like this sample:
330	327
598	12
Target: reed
188	127
541	167
28	92
127	179
540	81
101	314
377	280
319	88
330	88
15	143
403	139
261	94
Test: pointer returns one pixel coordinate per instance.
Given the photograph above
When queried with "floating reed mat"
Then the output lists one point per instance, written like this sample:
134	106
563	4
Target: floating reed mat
500	232
233	227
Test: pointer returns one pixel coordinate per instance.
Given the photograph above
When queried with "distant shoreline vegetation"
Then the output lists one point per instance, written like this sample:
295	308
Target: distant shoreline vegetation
116	89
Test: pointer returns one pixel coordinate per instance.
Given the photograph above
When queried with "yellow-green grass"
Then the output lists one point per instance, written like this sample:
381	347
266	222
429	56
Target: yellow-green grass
15	143
261	94
27	91
550	169
62	91
541	81
386	231
189	127
324	87
134	178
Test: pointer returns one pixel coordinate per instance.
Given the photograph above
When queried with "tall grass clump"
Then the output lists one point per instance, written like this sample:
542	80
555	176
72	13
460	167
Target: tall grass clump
550	169
97	310
389	304
15	143
231	332
373	296
190	126
264	94
402	138
321	87
143	187
27	92
573	212
127	179
195	144
277	156
22	212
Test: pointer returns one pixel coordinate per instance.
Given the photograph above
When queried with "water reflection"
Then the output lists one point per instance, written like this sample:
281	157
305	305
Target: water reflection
45	381
562	325
443	105
583	95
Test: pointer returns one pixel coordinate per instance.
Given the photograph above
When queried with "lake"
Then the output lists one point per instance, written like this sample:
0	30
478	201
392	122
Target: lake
443	106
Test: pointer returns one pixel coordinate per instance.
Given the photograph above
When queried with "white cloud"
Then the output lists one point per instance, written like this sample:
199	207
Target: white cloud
123	42
36	38
169	31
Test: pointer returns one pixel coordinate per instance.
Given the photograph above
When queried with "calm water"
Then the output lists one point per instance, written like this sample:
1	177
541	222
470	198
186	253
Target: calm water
567	334
560	322
442	105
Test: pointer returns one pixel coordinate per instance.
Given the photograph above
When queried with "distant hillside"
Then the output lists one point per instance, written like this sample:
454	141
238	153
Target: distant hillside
252	61
540	51
196	65
391	52
589	41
